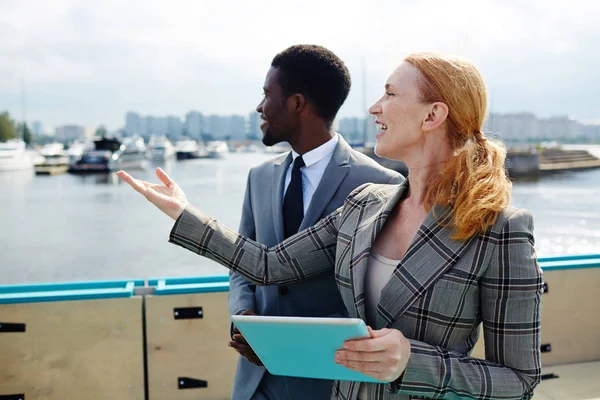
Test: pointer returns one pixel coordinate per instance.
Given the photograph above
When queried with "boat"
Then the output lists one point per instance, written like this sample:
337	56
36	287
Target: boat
53	160
217	149
14	156
111	154
250	148
131	155
160	149
190	149
76	150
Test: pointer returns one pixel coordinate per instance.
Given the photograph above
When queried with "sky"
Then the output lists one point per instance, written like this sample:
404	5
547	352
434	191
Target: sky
89	62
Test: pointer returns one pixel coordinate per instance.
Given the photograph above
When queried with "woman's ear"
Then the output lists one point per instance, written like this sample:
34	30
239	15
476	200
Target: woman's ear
436	116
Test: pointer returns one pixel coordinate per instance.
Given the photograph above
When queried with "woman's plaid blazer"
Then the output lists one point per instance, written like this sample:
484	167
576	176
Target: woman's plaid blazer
439	295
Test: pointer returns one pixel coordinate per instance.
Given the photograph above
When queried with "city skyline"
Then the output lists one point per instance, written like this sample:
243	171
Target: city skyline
86	62
509	127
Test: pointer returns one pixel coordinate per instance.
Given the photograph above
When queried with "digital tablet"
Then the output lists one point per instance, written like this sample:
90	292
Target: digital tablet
302	347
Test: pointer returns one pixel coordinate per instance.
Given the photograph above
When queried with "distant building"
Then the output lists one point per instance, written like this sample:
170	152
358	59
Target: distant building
37	128
512	127
237	127
591	131
228	126
70	133
216	126
174	127
194	124
352	128
558	128
254	122
526	127
156	126
133	124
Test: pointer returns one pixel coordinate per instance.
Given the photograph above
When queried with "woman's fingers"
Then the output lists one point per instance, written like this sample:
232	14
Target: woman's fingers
164	178
362	366
359	356
139	186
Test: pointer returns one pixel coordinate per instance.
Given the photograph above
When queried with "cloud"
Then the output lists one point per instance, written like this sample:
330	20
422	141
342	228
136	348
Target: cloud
89	62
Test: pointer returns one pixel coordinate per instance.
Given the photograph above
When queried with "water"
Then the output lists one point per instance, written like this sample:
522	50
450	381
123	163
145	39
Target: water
71	228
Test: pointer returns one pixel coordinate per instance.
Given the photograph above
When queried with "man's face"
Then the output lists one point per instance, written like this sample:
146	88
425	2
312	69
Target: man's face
277	123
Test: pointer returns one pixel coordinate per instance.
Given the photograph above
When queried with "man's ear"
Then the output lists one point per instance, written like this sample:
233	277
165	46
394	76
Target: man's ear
297	102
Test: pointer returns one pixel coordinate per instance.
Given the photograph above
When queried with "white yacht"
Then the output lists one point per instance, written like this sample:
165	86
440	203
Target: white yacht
190	149
110	153
76	151
160	148
52	160
131	155
250	148
13	156
217	149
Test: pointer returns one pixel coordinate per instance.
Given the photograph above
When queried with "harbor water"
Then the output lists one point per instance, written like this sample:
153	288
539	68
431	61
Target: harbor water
94	227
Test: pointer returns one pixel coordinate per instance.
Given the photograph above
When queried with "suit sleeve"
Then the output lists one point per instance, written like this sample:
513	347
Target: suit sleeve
241	291
307	254
510	297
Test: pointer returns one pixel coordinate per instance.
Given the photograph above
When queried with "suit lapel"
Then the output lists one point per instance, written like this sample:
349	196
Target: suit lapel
431	253
279	170
366	232
334	174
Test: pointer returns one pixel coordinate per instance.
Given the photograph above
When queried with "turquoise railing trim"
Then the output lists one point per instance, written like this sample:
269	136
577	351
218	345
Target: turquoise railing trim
568	258
571	264
29	293
182	280
125	290
63	286
164	288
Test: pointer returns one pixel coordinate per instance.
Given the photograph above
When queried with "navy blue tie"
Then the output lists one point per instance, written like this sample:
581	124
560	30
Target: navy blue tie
293	204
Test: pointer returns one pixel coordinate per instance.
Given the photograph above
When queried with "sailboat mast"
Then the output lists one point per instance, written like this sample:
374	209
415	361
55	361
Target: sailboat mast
23	109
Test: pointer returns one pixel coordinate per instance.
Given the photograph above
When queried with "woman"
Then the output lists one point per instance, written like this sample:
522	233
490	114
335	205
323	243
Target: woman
424	262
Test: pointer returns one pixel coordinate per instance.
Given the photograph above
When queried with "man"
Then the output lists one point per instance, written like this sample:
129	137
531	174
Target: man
303	91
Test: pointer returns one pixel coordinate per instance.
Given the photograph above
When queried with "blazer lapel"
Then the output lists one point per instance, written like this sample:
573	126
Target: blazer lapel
366	233
334	174
279	170
431	253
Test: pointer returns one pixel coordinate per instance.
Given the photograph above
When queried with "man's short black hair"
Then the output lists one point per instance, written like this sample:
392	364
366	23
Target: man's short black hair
317	73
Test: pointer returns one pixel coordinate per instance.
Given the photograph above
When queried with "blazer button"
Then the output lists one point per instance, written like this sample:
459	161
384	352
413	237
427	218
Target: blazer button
283	290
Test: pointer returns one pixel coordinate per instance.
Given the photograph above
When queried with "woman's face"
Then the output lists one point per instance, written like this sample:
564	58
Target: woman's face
399	114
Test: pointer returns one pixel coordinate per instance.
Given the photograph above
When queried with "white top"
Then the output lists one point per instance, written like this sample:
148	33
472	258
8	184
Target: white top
315	162
379	271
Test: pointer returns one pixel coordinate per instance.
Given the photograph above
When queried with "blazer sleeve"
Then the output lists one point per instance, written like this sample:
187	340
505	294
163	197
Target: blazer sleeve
395	179
241	291
307	254
510	294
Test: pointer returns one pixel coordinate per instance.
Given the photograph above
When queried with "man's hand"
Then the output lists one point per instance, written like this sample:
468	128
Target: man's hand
168	197
240	345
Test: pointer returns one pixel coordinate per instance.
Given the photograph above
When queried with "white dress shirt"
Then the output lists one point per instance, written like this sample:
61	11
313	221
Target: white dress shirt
315	162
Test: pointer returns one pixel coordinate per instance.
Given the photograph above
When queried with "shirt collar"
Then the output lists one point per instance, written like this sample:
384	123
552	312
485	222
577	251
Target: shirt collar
319	153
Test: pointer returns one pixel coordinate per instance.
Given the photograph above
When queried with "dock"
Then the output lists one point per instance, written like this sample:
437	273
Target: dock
522	163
